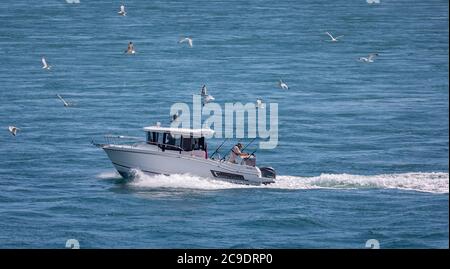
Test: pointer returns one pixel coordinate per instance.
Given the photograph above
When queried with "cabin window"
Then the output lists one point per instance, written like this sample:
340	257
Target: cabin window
196	144
187	143
161	139
176	142
172	142
152	137
191	143
199	143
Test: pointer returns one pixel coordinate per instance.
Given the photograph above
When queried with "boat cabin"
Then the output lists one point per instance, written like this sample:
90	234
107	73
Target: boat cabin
179	139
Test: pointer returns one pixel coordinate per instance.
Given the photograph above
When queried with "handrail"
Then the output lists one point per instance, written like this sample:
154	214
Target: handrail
122	137
111	139
173	147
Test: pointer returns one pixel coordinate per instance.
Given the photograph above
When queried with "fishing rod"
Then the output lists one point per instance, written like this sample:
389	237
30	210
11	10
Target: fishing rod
219	148
253	152
248	144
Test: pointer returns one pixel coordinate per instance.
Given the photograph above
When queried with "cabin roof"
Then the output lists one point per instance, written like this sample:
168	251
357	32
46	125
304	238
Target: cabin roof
180	131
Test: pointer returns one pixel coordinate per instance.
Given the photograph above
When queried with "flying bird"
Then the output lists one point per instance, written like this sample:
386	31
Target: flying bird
44	64
175	117
66	104
130	49
186	39
13	130
333	39
122	11
368	59
206	98
283	85
204	91
259	103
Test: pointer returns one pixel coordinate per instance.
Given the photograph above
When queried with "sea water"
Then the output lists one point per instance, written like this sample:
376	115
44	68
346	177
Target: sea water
362	152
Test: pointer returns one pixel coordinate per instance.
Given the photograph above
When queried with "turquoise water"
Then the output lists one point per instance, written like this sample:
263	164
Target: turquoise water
363	148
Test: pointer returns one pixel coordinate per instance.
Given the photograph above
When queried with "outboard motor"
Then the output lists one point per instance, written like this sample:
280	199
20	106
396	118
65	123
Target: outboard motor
268	172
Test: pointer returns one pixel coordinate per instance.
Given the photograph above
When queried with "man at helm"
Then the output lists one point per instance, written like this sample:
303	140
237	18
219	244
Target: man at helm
236	152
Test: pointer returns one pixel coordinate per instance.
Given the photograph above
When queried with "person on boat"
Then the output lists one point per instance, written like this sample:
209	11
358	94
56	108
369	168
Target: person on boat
236	151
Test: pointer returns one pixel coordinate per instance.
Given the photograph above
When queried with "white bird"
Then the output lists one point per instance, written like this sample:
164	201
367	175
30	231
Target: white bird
174	117
368	59
122	11
333	39
66	104
259	103
204	91
130	48
283	85
373	2
13	130
44	64
206	98
186	39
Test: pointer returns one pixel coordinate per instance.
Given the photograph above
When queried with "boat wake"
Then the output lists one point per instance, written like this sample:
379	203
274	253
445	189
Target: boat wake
185	181
423	182
109	175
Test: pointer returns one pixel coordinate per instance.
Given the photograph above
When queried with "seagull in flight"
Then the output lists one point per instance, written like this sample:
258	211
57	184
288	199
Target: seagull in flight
206	98
130	49
13	130
283	85
368	59
44	64
259	103
175	117
122	11
66	104
204	90
333	39
186	39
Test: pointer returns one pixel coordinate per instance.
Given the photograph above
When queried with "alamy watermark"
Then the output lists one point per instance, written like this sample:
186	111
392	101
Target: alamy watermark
72	244
372	244
230	121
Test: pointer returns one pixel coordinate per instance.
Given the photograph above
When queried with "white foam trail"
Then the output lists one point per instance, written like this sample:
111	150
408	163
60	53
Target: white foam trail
184	181
108	175
423	182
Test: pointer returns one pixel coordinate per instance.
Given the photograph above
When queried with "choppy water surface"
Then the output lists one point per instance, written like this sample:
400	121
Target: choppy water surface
363	148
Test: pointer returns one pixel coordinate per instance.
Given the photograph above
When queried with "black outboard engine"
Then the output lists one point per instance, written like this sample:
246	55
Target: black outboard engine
268	172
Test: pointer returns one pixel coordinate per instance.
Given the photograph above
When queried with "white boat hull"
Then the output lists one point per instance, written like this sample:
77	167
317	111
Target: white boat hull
152	160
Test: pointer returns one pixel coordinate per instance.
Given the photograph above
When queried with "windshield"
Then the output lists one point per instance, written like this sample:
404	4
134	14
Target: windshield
170	142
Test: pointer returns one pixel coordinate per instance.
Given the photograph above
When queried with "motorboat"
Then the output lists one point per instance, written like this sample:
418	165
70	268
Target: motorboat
168	150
